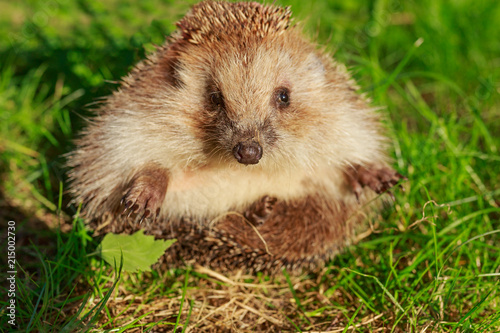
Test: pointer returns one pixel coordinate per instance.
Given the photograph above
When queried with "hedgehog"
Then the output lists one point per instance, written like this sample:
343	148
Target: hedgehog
240	138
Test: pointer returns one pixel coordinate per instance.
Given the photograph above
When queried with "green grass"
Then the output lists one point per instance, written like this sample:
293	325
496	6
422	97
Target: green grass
432	261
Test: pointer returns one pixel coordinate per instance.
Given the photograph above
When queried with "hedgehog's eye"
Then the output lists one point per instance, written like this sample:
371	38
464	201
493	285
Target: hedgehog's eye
216	99
282	97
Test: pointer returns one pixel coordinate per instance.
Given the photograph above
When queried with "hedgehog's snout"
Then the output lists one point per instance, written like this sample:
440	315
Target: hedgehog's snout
247	152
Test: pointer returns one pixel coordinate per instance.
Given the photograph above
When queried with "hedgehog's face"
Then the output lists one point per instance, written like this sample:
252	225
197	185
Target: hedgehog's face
263	106
244	116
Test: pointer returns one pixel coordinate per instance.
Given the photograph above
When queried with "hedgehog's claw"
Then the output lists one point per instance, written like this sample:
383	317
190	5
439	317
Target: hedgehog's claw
380	180
144	216
260	210
357	193
127	205
146	192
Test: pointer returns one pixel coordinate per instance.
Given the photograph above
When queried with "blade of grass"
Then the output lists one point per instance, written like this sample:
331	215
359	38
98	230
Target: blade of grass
183	297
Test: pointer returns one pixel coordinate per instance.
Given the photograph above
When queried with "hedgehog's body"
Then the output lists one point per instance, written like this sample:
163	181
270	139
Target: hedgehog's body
237	113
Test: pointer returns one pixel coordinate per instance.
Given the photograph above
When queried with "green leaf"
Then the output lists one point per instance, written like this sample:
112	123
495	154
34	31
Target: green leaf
139	251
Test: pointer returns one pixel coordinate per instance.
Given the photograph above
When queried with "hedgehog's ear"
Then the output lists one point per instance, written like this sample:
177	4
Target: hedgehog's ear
169	64
314	64
315	67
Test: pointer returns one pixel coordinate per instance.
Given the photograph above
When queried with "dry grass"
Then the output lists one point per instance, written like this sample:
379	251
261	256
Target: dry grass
239	303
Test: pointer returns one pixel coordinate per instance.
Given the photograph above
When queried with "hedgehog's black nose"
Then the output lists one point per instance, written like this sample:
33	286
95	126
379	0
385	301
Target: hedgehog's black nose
249	152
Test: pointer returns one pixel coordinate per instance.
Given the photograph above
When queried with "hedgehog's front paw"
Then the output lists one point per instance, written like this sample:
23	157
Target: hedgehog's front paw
145	193
260	211
379	179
